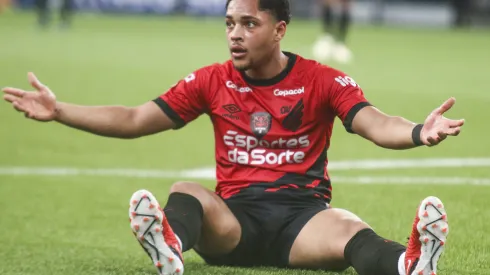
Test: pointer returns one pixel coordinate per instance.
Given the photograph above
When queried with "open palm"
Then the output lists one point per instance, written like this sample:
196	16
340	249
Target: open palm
436	127
39	105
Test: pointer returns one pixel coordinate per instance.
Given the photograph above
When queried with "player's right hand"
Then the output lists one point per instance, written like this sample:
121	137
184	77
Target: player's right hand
39	104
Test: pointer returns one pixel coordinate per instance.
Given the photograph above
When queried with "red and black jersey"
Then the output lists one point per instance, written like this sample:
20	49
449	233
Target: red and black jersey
270	133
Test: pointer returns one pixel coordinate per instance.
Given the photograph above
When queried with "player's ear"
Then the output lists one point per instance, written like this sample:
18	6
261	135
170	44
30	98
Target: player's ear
280	31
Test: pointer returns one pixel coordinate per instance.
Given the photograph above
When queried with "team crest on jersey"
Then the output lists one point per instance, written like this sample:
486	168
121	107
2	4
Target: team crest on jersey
260	123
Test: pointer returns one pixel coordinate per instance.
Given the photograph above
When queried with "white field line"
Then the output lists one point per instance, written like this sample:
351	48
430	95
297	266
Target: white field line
412	180
209	173
379	164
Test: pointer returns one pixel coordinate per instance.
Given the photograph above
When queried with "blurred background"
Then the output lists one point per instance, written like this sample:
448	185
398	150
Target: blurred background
64	193
438	13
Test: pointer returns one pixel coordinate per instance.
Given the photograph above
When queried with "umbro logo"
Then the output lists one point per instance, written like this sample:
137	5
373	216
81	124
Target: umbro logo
232	109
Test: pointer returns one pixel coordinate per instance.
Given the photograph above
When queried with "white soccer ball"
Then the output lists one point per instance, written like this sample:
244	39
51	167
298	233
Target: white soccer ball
323	48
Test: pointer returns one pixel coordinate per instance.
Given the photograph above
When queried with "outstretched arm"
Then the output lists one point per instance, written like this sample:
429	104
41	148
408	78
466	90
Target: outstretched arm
109	121
115	121
395	132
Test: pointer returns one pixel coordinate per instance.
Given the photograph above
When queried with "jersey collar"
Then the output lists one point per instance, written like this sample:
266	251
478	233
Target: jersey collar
276	79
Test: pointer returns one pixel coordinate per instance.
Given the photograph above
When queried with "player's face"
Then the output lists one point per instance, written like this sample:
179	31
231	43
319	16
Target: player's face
252	34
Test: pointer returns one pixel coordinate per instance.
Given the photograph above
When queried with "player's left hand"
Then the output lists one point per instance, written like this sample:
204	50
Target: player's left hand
436	127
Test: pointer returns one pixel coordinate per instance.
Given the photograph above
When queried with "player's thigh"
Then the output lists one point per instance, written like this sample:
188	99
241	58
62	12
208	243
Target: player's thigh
321	242
221	230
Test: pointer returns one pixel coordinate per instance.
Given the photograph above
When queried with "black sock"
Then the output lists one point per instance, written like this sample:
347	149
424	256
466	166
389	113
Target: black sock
345	20
370	254
327	19
184	214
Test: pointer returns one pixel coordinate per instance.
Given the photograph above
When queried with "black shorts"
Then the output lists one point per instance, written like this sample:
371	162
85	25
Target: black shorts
270	223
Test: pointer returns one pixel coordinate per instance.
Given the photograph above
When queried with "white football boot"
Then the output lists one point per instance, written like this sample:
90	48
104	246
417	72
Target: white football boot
151	229
428	238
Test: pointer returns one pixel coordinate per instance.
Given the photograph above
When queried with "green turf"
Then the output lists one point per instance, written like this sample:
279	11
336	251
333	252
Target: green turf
78	225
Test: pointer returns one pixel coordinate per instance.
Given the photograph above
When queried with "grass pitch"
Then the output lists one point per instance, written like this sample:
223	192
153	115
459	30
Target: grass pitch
78	224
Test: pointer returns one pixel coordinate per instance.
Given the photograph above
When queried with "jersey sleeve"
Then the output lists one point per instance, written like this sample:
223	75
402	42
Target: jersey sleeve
186	100
344	97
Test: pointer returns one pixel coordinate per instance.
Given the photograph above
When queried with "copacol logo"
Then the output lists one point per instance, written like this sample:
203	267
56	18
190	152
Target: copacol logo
278	92
260	123
233	86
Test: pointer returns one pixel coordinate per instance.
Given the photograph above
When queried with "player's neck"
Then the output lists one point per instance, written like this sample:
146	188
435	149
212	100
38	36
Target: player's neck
271	68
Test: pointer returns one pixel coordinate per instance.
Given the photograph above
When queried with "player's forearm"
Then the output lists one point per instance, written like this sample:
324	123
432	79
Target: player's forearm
395	133
108	121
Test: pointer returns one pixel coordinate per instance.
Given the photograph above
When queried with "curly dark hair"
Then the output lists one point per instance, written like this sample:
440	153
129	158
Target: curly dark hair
280	9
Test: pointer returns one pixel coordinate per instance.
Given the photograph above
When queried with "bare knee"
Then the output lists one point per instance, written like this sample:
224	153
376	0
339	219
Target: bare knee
350	223
185	187
220	232
348	226
340	226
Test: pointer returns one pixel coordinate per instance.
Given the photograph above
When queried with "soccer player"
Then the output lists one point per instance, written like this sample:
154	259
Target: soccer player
43	13
462	12
273	113
332	44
